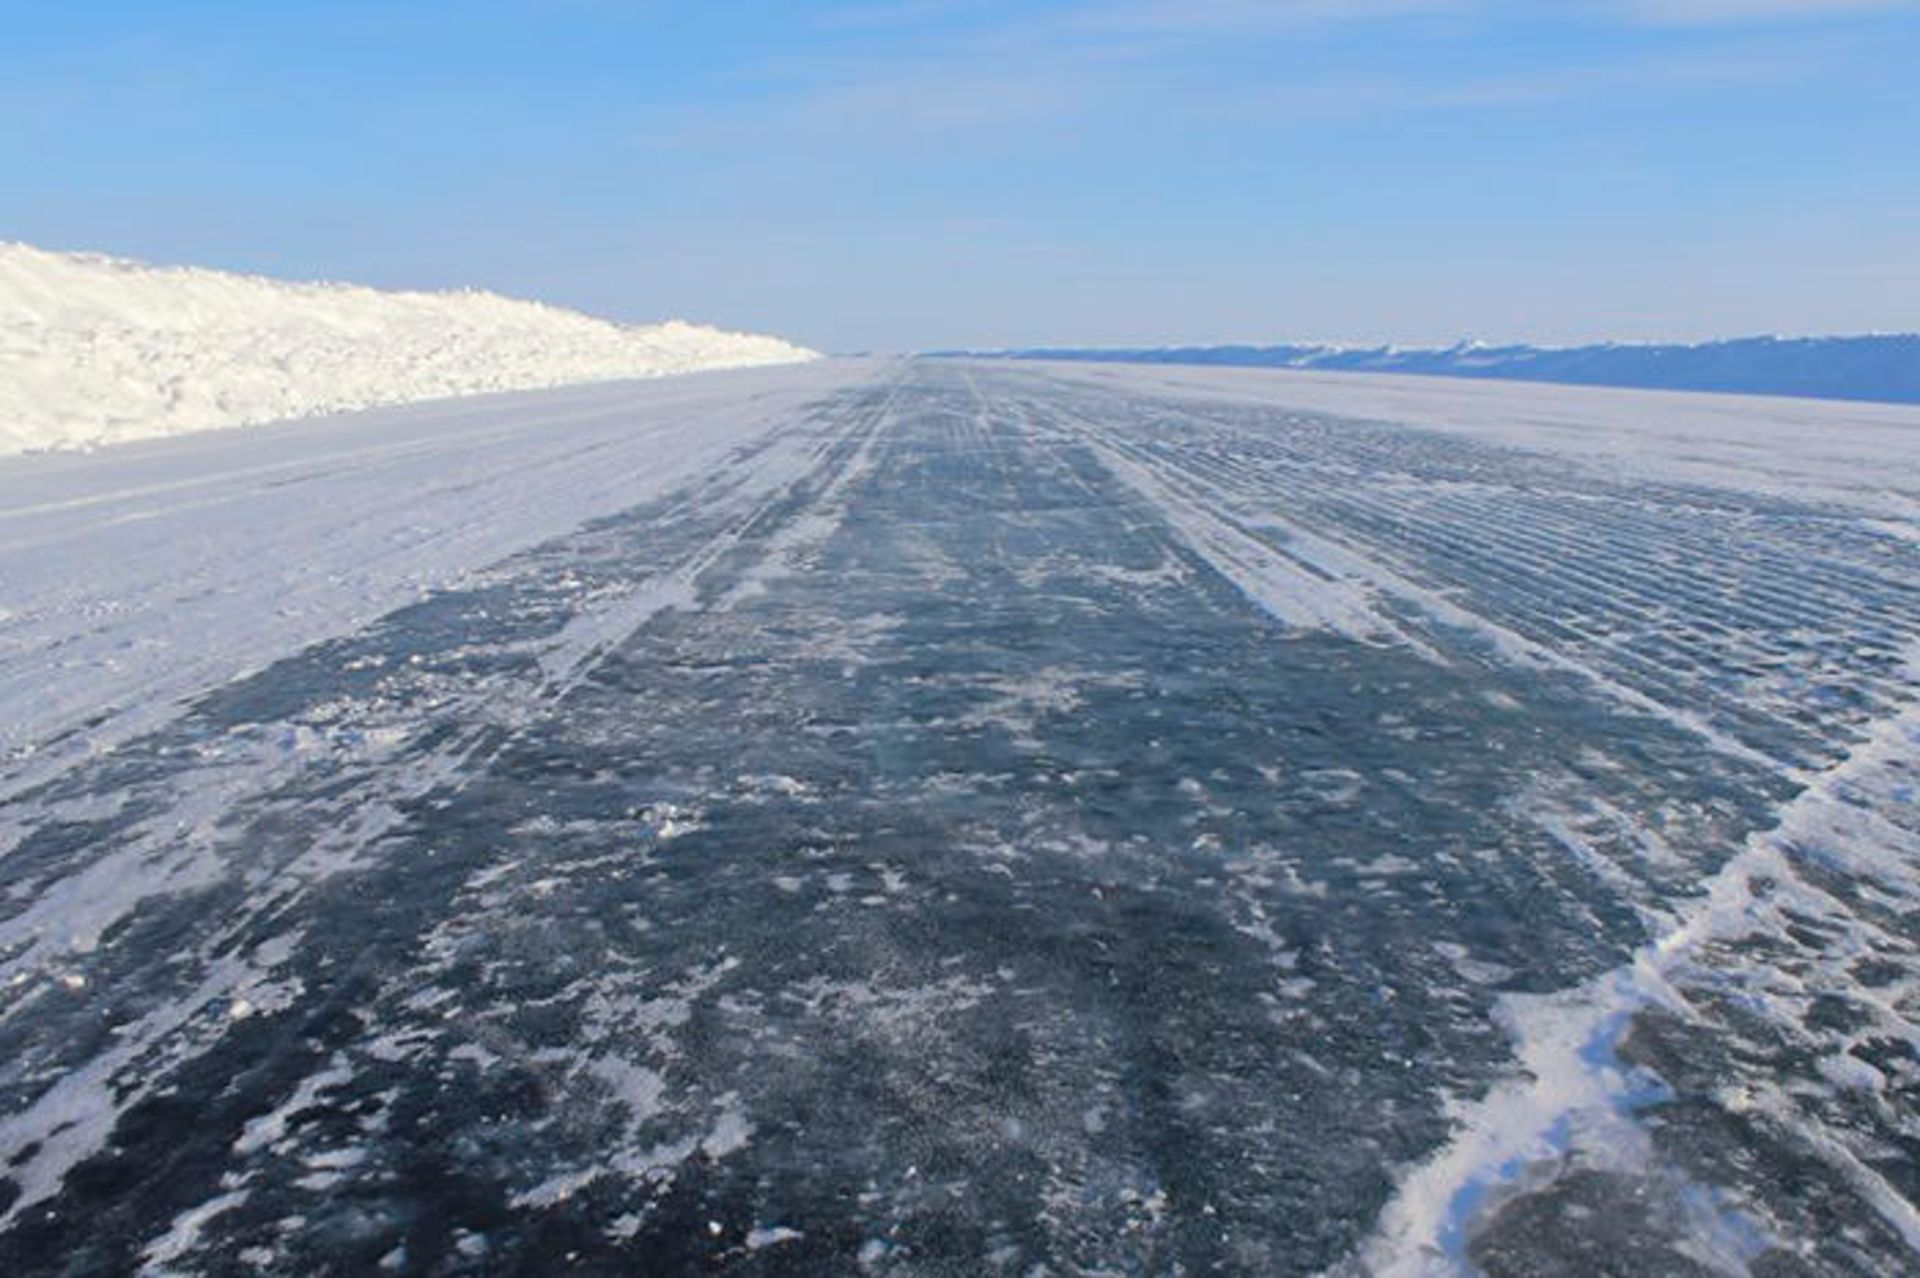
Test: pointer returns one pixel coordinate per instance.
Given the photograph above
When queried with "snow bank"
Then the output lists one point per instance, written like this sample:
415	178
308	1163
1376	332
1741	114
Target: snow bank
97	350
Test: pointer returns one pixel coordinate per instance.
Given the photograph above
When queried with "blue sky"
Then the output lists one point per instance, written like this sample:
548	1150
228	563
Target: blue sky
897	174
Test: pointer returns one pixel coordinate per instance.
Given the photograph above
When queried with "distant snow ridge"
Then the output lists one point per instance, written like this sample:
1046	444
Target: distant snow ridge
97	350
1882	367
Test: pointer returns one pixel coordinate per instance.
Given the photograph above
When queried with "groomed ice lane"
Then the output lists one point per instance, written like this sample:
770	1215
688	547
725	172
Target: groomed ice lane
997	823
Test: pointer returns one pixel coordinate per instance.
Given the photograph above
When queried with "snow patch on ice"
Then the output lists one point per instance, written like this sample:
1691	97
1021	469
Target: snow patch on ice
184	1235
762	1238
1572	1089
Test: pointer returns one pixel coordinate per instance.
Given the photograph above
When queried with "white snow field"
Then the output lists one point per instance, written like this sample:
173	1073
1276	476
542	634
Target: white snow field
99	350
1865	456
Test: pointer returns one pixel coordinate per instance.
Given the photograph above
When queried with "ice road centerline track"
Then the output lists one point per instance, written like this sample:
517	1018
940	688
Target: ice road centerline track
959	818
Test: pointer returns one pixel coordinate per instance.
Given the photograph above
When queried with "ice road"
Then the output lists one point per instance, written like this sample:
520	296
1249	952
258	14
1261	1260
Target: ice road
931	817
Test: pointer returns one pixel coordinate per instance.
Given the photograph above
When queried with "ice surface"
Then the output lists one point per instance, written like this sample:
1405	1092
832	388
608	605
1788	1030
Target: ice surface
971	818
98	350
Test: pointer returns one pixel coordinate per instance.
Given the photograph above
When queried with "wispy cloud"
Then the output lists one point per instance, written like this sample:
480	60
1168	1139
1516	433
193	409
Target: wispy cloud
1168	17
1692	13
1706	70
1350	98
959	77
960	72
1138	15
893	14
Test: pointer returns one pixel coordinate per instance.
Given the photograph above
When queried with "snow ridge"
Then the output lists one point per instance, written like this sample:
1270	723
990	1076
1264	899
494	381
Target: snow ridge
1881	367
97	350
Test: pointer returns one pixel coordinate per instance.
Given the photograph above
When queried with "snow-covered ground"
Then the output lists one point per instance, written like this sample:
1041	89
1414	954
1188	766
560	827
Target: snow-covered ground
134	577
99	350
1864	456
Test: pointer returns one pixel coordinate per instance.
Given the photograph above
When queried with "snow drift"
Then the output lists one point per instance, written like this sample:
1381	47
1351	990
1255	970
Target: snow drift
97	350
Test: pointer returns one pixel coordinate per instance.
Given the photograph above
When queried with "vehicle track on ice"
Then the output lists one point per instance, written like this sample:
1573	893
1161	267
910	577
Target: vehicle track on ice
994	823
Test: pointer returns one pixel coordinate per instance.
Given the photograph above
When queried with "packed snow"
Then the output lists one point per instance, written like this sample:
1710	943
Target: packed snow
100	350
1856	455
138	576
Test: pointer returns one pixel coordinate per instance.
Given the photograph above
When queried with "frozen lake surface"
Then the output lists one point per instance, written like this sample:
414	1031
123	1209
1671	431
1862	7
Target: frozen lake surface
946	818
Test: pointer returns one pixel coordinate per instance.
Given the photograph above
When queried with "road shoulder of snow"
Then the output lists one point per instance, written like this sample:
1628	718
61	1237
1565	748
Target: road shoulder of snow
100	350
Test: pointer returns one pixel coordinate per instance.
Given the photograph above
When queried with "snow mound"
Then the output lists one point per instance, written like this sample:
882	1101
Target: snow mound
97	350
